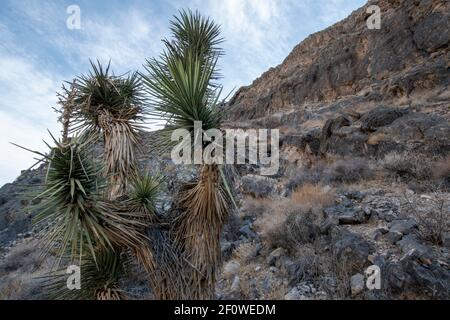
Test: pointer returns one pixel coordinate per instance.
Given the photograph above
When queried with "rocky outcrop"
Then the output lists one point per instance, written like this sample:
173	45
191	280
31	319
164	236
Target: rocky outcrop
408	55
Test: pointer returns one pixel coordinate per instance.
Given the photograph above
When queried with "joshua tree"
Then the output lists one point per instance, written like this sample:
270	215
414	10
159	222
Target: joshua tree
183	91
84	222
102	213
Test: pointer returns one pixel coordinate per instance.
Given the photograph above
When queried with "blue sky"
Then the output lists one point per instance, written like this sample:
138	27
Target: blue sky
38	52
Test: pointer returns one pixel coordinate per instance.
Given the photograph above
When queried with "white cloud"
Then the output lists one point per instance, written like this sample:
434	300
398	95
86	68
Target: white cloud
28	95
259	34
25	133
127	39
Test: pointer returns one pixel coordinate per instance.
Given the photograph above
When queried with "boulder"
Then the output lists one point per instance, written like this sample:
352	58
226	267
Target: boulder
350	248
414	275
380	117
345	214
403	226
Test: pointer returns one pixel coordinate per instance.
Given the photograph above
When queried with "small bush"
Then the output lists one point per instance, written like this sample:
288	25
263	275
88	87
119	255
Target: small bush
295	221
434	221
305	176
246	252
409	165
300	227
313	196
348	170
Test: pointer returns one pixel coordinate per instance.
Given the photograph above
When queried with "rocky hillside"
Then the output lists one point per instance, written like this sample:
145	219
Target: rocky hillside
364	180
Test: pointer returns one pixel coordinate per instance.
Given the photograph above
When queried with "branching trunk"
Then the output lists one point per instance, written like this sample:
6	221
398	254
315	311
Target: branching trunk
121	142
197	230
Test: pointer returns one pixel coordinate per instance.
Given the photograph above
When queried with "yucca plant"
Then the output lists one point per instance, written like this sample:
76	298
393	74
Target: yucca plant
99	278
114	106
143	195
73	214
182	90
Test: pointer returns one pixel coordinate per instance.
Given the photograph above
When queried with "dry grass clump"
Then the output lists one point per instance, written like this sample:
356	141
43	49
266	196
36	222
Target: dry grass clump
21	270
23	257
313	195
254	207
295	221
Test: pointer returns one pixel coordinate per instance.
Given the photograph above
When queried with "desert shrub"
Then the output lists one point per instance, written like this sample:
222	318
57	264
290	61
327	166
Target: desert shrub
257	186
433	220
305	176
308	266
246	252
254	207
24	258
441	172
313	196
348	170
301	226
251	288
408	164
10	288
295	221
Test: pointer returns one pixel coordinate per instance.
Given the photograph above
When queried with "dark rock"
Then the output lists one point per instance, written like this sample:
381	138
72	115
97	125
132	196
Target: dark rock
247	232
357	284
410	242
403	226
412	275
355	195
328	224
430	132
345	214
393	236
425	35
226	249
331	127
274	256
380	117
351	249
304	139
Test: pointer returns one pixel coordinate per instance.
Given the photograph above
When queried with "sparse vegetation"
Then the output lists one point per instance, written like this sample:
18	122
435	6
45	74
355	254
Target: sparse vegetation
100	212
340	170
434	221
348	170
297	220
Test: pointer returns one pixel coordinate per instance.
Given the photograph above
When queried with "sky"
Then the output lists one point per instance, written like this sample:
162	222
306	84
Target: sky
38	52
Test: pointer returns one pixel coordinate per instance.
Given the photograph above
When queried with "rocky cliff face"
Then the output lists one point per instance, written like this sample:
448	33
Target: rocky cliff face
348	70
357	109
408	56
